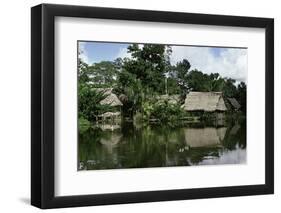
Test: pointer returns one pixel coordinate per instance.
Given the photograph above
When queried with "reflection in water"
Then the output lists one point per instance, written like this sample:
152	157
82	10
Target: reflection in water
128	146
111	141
227	157
200	137
111	127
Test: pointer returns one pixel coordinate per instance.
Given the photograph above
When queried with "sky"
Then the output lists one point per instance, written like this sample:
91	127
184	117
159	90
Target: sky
228	62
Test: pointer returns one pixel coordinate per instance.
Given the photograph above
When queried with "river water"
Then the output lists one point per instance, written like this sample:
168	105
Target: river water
123	146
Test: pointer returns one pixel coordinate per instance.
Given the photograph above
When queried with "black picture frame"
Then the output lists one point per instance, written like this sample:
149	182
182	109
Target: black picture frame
43	110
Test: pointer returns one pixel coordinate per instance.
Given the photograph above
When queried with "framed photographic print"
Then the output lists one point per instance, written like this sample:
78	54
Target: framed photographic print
139	106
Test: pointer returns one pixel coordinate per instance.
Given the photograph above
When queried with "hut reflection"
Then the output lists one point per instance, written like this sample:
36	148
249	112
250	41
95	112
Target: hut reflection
110	140
201	137
106	126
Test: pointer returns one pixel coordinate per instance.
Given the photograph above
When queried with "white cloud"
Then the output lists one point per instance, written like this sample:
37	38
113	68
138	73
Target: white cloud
231	62
122	53
83	53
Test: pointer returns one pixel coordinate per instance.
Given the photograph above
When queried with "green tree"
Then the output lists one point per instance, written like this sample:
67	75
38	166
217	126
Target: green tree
242	96
130	87
179	74
229	88
82	71
142	75
173	87
198	81
148	64
89	102
103	74
182	69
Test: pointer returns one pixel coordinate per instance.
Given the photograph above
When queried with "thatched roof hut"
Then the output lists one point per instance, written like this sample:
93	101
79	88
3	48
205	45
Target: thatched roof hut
234	103
204	101
111	99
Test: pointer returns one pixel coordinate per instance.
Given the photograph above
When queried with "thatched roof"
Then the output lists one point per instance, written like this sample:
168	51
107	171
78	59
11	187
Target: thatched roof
204	101
111	99
234	103
204	137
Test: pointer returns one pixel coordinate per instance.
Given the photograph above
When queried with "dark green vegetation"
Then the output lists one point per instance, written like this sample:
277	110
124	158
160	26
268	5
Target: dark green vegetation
154	146
139	80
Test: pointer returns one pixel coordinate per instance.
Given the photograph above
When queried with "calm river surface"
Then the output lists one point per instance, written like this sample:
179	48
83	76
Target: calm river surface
131	146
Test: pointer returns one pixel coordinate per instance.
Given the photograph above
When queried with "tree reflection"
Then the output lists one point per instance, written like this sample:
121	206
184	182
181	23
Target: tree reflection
158	146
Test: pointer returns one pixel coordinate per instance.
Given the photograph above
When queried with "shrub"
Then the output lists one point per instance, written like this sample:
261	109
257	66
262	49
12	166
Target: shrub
162	111
89	102
84	124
